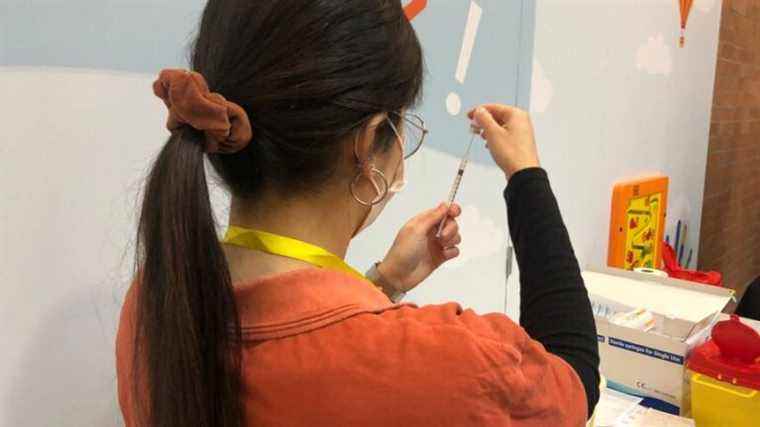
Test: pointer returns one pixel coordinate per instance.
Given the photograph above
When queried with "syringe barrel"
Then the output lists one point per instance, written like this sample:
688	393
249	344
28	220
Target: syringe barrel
455	186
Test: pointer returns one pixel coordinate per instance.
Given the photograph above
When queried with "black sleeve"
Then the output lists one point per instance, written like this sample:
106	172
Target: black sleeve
554	305
749	305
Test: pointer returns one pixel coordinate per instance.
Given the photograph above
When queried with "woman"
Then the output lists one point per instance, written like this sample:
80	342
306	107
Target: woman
301	108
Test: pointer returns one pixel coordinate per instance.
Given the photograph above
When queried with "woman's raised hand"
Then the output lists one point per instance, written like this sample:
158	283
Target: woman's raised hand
509	133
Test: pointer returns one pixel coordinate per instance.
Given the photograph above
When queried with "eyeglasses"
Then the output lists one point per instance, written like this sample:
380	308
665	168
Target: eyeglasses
412	134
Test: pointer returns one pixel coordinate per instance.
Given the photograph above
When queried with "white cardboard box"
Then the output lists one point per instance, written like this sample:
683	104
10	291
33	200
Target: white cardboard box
649	363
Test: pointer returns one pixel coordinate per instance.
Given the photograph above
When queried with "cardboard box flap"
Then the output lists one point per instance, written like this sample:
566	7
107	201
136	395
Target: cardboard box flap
686	304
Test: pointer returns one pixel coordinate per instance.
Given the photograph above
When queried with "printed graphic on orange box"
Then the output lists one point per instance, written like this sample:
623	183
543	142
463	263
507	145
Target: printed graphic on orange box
637	223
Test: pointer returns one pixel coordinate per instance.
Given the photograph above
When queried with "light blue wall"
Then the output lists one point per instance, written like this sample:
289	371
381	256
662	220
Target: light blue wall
124	35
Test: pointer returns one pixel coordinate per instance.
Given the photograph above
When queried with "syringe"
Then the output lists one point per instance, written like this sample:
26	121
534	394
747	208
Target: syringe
460	173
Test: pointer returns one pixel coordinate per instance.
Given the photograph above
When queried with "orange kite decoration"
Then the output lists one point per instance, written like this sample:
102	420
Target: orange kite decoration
685	9
414	8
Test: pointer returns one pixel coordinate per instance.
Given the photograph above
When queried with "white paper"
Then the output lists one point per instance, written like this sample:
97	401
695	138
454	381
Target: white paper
614	406
654	418
631	418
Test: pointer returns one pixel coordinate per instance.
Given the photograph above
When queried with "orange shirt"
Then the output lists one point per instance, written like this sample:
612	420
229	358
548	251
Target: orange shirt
325	349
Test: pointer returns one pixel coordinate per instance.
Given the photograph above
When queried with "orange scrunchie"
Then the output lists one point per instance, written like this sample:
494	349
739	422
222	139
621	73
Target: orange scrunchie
190	102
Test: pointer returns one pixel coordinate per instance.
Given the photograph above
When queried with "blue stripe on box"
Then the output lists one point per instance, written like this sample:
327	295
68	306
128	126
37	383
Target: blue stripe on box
646	351
600	338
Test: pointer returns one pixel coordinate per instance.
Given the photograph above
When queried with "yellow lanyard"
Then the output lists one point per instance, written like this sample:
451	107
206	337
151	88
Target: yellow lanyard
275	244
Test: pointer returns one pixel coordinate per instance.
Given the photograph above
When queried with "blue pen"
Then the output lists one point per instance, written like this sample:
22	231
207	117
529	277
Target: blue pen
678	235
667	238
683	244
688	259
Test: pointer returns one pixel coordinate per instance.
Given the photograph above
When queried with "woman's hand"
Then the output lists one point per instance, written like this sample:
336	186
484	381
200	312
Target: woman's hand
509	133
417	252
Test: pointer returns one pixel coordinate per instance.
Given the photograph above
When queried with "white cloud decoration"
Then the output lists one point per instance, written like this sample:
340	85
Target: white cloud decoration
542	89
654	56
481	237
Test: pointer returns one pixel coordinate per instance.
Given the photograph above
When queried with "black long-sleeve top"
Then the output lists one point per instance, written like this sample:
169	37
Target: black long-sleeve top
554	306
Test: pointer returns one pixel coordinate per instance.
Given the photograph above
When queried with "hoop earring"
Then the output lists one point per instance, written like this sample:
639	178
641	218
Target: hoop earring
382	190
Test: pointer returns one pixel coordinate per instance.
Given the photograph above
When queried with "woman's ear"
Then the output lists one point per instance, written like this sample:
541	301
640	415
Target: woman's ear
364	144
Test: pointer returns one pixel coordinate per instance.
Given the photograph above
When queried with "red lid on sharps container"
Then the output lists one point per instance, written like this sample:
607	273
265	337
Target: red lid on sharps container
732	355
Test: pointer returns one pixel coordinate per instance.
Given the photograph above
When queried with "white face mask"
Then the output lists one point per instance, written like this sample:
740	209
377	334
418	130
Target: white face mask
396	186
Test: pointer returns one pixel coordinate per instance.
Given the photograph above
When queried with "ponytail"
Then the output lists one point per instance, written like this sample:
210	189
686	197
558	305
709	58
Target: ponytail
187	348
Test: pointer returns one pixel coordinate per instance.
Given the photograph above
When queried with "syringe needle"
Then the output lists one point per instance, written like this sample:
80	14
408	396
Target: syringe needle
475	134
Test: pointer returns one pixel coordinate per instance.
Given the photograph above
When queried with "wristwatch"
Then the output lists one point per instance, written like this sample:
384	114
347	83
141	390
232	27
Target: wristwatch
374	276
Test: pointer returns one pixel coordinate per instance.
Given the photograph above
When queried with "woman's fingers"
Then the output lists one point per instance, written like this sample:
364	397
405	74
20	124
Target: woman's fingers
455	210
509	133
428	220
500	112
450	253
449	232
452	241
450	236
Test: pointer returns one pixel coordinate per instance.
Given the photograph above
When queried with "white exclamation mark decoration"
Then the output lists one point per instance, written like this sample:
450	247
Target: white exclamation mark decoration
453	101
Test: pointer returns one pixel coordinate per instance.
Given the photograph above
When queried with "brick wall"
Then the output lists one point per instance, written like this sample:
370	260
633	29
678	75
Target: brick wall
730	233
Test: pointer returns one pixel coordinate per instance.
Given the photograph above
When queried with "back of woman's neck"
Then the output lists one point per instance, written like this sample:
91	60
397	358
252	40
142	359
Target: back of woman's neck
248	265
318	222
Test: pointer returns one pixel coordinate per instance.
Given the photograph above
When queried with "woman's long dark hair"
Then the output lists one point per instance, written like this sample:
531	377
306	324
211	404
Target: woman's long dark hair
307	72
